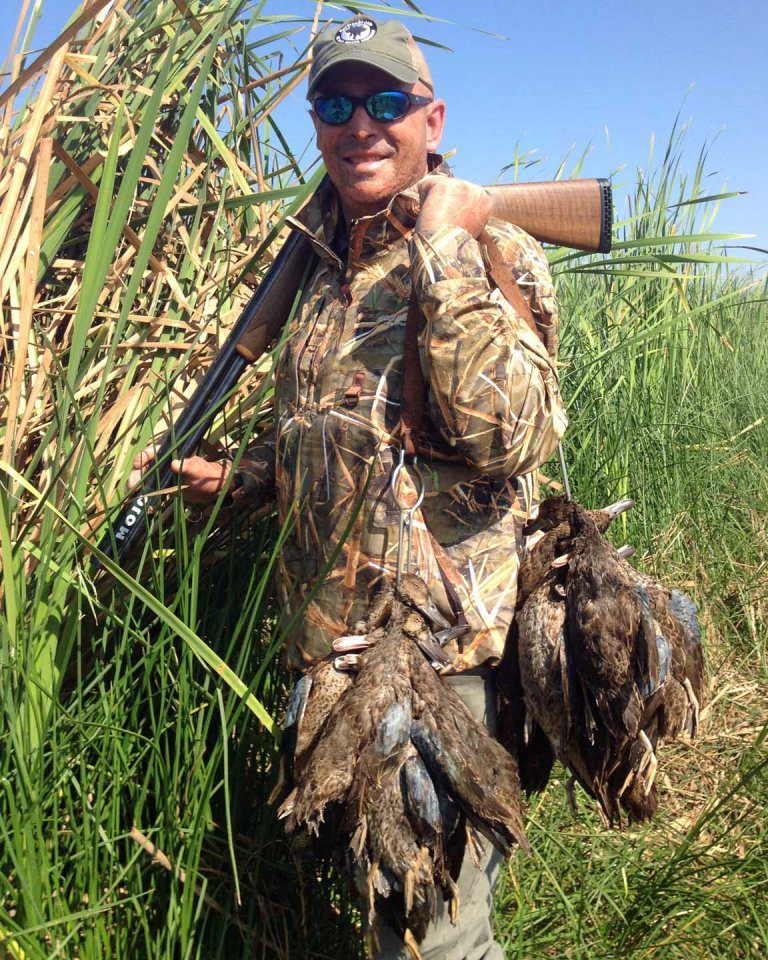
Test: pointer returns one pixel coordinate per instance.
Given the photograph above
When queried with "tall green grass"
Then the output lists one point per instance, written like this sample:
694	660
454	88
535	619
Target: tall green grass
664	363
118	724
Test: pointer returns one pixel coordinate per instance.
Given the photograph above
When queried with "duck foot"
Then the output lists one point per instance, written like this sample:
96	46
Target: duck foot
474	846
648	763
372	939
410	941
693	703
279	787
627	780
371	885
288	805
455	901
604	818
409	885
527	728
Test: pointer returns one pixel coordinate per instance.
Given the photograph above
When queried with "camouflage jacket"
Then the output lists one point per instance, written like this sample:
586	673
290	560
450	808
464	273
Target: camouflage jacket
493	412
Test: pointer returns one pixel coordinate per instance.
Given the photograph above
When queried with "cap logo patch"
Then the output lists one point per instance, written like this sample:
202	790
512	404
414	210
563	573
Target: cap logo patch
356	31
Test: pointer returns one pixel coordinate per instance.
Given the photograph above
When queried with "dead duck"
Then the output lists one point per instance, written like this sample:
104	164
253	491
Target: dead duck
612	757
548	537
672	707
630	643
677	620
405	772
545	682
610	630
309	706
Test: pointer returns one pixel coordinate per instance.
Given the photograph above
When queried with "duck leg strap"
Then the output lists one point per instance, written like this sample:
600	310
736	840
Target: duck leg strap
412	404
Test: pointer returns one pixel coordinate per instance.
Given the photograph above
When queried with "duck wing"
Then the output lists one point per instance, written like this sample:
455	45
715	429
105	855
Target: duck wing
516	728
541	634
604	618
460	753
362	712
677	619
326	684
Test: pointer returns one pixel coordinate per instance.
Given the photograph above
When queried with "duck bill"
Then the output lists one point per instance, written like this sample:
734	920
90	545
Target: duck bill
430	612
349	661
350	643
621	506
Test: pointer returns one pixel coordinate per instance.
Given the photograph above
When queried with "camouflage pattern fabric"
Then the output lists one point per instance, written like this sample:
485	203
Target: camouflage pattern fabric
494	414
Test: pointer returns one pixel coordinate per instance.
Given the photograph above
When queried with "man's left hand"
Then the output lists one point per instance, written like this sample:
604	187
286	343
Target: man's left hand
449	201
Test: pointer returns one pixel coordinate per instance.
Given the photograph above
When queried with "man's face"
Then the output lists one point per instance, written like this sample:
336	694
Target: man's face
370	161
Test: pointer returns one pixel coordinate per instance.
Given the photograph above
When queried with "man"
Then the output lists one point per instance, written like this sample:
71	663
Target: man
394	225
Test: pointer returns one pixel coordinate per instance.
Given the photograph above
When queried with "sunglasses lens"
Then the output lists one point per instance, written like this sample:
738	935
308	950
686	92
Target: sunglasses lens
333	110
388	106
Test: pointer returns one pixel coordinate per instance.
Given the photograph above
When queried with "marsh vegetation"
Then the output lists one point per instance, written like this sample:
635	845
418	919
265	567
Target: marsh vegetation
144	183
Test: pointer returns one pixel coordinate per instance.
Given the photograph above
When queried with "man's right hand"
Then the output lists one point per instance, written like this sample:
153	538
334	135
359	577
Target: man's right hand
200	480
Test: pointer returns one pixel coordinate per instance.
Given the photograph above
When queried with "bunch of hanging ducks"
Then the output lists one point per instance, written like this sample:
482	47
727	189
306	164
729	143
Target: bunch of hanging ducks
603	664
389	765
386	763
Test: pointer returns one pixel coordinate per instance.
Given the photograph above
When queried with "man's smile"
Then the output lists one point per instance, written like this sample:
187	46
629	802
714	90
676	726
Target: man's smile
363	160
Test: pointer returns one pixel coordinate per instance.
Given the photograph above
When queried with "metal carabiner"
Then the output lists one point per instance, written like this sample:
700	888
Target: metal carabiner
405	525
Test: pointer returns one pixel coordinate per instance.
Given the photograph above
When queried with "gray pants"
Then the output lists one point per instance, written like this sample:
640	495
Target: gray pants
472	937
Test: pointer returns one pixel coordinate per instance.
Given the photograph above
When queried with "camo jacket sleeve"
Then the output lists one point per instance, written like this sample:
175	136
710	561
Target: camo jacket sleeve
257	472
492	383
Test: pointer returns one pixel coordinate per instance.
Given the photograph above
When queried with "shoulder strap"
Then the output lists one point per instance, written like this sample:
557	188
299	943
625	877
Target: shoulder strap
502	277
412	399
413	389
412	405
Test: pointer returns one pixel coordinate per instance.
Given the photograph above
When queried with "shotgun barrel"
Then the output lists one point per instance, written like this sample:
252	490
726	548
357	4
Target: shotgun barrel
571	213
258	324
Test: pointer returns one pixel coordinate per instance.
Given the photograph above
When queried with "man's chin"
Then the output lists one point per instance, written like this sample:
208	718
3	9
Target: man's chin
366	195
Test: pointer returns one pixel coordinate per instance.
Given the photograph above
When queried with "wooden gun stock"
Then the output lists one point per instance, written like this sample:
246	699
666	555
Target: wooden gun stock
568	213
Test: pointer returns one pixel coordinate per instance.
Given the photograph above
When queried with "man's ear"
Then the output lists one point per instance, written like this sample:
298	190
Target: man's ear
435	124
315	121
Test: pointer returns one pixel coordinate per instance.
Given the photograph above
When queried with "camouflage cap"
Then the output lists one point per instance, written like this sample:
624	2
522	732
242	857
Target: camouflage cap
388	46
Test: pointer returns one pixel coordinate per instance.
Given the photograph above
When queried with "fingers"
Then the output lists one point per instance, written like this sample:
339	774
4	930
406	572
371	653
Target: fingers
424	187
201	480
450	201
141	462
143	459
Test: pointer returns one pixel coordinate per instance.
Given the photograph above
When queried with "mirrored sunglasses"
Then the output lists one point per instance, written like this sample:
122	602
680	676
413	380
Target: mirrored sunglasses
385	107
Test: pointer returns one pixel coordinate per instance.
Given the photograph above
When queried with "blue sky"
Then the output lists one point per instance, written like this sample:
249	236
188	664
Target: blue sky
584	72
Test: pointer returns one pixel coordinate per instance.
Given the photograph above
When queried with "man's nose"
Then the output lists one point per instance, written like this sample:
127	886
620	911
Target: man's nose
360	124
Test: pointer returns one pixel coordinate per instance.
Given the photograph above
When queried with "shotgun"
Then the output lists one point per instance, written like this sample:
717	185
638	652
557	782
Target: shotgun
569	213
